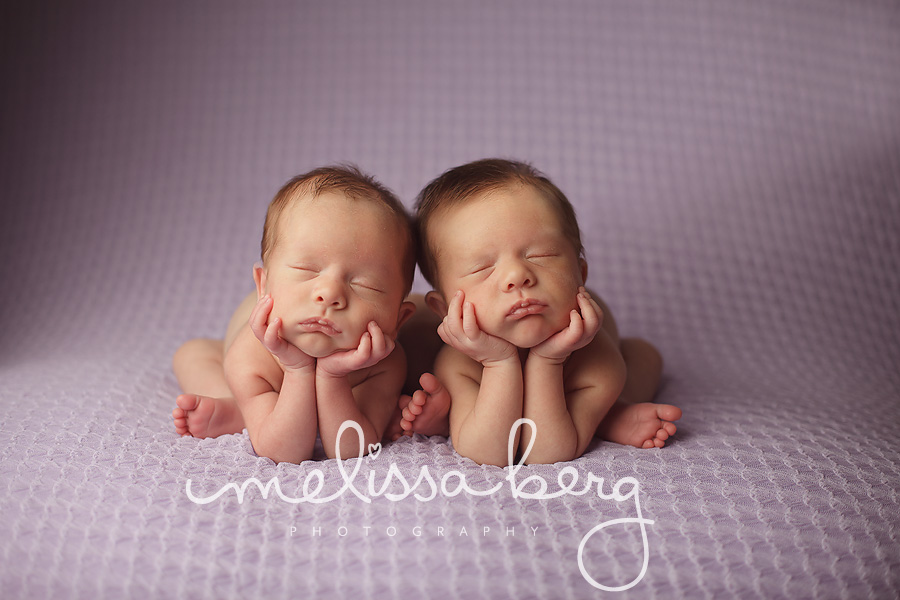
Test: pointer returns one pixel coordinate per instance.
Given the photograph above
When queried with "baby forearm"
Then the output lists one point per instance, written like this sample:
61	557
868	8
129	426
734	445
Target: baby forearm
483	434
288	432
545	404
337	404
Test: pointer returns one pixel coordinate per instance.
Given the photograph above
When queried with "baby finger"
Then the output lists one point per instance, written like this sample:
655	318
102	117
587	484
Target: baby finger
469	323
576	327
379	343
259	315
364	351
271	338
590	312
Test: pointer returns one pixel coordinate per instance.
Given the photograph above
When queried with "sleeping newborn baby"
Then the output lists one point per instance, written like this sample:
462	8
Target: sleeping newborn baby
315	344
501	247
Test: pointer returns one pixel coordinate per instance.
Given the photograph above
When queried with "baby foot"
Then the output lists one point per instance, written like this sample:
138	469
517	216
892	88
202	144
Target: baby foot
203	417
192	415
427	411
393	431
644	425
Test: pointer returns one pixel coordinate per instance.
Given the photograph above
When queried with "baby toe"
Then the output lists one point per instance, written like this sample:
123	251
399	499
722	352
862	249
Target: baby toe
187	401
667	412
430	383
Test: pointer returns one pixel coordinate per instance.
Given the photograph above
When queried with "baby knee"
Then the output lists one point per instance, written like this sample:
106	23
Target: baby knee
193	350
638	350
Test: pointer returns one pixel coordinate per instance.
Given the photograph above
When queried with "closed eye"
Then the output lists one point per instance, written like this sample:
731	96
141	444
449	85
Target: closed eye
539	256
482	270
305	273
367	285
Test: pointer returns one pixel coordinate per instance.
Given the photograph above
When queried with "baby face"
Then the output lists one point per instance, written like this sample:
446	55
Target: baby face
335	267
507	252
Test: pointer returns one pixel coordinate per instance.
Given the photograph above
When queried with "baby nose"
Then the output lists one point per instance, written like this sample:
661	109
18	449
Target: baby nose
331	294
518	277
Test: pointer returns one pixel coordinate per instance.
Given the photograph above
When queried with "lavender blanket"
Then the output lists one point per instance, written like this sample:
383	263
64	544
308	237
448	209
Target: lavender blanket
735	167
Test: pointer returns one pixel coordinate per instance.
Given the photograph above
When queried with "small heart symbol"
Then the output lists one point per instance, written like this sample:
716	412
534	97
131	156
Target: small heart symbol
374	450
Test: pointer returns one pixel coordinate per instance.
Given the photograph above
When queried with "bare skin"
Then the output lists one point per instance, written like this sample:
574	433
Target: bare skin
525	338
631	421
315	345
211	410
425	407
644	425
425	404
427	411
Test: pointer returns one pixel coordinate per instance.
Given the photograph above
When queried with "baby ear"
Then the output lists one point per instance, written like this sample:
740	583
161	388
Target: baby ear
407	309
436	303
584	270
259	276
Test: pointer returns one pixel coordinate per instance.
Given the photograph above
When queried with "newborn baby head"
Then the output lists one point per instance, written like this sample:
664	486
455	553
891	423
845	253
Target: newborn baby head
507	237
337	253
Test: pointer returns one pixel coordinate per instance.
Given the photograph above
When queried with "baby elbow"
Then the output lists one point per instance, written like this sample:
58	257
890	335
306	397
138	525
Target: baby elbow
481	457
277	452
263	451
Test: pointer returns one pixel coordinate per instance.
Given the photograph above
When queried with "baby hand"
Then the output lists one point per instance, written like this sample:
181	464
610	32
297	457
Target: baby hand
460	330
581	330
373	347
268	332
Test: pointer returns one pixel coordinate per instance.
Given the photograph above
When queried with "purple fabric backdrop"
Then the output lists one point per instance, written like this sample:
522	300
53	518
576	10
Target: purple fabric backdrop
736	171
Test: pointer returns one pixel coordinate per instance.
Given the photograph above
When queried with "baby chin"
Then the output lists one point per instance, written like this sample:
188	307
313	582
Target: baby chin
320	345
530	331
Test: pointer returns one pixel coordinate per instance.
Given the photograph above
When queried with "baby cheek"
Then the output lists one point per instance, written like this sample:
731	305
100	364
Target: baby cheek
383	316
569	294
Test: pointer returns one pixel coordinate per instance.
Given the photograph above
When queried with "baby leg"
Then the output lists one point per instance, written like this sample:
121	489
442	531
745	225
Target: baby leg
424	406
428	410
644	365
198	368
633	420
421	342
208	408
645	425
